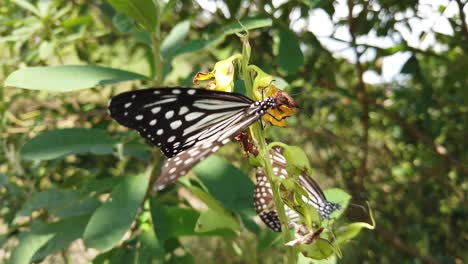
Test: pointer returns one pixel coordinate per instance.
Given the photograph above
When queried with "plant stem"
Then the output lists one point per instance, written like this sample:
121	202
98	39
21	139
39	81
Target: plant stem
259	135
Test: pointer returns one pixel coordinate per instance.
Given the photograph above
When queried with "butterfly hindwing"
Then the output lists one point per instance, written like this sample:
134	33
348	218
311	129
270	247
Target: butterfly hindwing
264	204
175	119
180	164
263	197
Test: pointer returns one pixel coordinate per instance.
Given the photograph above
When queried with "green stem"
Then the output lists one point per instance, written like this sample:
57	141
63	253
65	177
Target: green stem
259	135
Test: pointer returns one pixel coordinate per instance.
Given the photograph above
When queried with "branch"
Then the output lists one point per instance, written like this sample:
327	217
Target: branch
362	96
402	246
419	135
463	20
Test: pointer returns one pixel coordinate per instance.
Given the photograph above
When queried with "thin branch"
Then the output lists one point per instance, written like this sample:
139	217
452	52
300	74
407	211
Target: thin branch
402	246
362	96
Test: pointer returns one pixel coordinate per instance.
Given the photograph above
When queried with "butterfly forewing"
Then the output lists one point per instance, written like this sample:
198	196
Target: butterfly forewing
176	119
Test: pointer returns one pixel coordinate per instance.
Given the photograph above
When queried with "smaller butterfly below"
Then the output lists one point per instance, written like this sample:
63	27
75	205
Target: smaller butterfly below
189	124
263	195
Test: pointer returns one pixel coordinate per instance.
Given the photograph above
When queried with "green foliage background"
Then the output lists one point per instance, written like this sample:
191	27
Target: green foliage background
401	145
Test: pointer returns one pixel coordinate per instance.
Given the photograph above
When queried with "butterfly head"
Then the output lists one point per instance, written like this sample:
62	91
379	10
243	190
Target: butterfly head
282	98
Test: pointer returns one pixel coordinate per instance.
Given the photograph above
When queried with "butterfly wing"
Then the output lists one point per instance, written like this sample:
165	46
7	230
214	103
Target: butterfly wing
263	196
179	165
264	204
175	119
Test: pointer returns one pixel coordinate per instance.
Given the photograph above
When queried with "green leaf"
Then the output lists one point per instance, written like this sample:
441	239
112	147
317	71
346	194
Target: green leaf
150	248
123	23
301	259
121	255
172	221
68	78
197	45
3	180
226	183
246	23
340	197
65	232
290	57
348	232
112	220
57	143
172	41
143	11
205	197
28	6
29	244
46	50
297	161
411	66
99	186
320	249
58	203
211	220
217	173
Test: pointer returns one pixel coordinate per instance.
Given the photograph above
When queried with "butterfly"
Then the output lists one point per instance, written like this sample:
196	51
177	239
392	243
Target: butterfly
263	195
188	124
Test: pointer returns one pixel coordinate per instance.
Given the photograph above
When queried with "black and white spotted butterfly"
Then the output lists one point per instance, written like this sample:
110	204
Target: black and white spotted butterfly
187	124
263	195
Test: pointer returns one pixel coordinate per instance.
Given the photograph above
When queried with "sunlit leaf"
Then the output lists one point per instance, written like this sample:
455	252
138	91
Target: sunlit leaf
68	78
143	11
247	23
348	232
172	41
27	6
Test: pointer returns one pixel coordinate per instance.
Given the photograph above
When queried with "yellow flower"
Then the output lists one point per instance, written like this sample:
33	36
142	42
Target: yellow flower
222	75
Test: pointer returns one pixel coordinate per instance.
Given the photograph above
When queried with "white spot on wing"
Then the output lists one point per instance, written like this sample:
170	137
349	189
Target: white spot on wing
176	124
139	117
183	110
155	110
169	114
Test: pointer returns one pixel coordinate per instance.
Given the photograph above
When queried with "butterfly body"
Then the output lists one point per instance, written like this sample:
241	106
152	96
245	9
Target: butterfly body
188	124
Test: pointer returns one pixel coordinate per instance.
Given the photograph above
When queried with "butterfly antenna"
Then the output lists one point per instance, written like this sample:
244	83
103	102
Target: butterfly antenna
359	206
